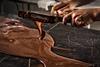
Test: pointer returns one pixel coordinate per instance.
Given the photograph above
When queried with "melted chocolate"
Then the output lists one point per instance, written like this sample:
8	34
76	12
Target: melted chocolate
25	42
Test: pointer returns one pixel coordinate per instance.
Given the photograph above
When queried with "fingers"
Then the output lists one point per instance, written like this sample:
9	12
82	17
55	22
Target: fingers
63	11
66	17
57	6
78	21
81	19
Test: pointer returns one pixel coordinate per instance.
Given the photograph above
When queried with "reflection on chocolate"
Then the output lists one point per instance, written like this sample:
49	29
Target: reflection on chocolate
25	42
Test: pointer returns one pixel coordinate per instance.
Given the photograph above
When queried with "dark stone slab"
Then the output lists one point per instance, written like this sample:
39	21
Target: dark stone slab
83	44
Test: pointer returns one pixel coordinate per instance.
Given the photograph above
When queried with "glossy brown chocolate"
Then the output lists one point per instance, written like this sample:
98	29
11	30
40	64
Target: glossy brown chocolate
22	41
